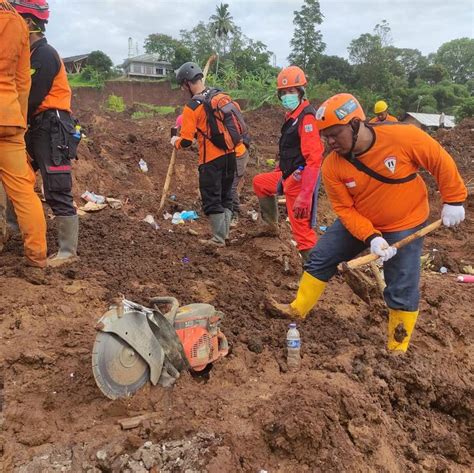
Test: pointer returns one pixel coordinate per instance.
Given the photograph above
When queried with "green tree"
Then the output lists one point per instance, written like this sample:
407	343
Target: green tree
161	44
336	68
200	42
221	24
181	55
307	43
384	32
457	56
433	73
100	62
465	110
411	61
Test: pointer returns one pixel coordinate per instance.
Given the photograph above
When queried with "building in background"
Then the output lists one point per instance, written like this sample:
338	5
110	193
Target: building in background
428	121
146	65
75	64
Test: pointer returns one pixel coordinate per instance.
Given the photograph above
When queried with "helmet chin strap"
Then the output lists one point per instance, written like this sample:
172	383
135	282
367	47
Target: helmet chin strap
355	125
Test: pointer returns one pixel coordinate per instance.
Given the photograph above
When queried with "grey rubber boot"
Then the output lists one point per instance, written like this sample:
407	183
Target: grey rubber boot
267	224
68	235
218	228
228	220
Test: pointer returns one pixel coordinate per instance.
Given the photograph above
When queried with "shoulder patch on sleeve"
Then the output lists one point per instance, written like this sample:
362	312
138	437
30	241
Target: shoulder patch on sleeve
193	104
308	128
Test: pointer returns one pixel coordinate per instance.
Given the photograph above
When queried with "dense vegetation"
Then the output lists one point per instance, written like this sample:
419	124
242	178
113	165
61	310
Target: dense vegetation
375	69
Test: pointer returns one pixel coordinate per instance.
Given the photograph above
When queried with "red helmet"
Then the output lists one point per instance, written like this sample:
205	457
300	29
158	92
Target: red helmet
37	8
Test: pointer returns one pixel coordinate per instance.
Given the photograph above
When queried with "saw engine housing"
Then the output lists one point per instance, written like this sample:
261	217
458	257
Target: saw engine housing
136	344
197	326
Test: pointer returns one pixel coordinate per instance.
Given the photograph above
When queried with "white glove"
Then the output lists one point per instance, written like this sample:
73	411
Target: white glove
452	214
173	141
379	247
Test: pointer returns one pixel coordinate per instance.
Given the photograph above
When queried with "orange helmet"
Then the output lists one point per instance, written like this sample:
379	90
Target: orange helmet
291	76
340	109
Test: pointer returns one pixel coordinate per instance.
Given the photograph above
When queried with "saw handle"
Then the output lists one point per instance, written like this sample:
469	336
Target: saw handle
355	263
171	314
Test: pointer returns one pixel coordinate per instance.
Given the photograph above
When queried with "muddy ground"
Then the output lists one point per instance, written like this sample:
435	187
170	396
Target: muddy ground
352	406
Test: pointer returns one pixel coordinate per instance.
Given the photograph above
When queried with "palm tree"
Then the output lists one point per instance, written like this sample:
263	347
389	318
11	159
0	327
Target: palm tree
221	25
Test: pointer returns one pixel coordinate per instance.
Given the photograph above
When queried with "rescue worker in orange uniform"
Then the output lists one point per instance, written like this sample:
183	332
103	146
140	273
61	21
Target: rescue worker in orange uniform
300	147
381	113
16	174
371	178
52	137
216	167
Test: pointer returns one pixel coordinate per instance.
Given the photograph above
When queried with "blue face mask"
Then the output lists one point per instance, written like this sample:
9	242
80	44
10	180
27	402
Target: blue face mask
290	101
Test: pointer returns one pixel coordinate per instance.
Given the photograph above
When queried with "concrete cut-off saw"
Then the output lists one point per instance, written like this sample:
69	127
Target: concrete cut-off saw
137	344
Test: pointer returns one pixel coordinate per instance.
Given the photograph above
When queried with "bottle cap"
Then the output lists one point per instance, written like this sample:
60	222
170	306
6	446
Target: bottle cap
292	325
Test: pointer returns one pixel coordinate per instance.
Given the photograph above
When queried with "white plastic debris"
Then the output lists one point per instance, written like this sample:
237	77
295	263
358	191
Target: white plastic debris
143	165
92	197
253	214
151	220
443	270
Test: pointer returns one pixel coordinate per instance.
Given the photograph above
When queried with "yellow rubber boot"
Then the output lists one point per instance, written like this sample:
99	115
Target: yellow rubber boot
309	292
400	328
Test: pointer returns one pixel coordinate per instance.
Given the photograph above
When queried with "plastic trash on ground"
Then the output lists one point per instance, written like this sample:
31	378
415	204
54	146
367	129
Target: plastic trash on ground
92	207
114	203
143	165
185	215
91	197
253	214
151	220
468	278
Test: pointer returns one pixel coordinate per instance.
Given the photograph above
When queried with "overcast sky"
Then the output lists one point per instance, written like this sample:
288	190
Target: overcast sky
81	26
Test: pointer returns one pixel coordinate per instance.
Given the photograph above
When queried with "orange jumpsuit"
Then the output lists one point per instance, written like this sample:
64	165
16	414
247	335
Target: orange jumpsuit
16	174
311	153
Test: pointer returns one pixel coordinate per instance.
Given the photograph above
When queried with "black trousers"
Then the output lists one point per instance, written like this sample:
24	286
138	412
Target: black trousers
56	174
215	184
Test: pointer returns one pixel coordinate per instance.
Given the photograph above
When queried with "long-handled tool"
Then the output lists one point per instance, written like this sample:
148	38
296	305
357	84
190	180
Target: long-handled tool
173	154
362	260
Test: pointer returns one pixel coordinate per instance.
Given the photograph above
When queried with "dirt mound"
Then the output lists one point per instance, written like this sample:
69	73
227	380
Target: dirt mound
459	142
351	406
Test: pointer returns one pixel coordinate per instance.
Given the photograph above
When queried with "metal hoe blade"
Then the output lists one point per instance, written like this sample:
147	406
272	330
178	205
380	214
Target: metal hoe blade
118	369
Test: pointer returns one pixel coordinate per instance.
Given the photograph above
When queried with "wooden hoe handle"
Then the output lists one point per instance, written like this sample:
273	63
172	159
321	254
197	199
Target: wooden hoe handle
355	263
168	179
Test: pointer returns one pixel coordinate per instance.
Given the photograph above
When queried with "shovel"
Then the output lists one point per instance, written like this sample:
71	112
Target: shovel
359	282
362	260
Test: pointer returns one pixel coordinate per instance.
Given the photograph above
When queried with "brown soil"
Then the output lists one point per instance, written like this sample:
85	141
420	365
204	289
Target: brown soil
352	406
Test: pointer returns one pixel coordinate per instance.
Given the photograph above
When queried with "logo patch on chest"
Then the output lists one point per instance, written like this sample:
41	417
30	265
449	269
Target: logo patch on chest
391	163
350	182
308	128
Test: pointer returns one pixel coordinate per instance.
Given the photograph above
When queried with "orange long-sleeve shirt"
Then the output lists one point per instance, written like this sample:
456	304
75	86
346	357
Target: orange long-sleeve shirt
15	80
194	119
390	118
367	206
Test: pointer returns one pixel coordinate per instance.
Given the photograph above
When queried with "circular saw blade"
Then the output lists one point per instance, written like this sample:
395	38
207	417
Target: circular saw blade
119	370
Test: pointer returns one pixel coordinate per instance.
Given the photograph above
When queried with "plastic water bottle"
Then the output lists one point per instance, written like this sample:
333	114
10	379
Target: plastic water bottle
297	174
293	343
77	132
143	165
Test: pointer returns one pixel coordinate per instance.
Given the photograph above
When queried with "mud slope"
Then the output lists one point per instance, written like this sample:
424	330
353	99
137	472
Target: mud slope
352	407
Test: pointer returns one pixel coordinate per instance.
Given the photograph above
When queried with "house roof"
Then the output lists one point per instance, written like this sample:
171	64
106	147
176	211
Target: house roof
75	58
147	58
432	119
